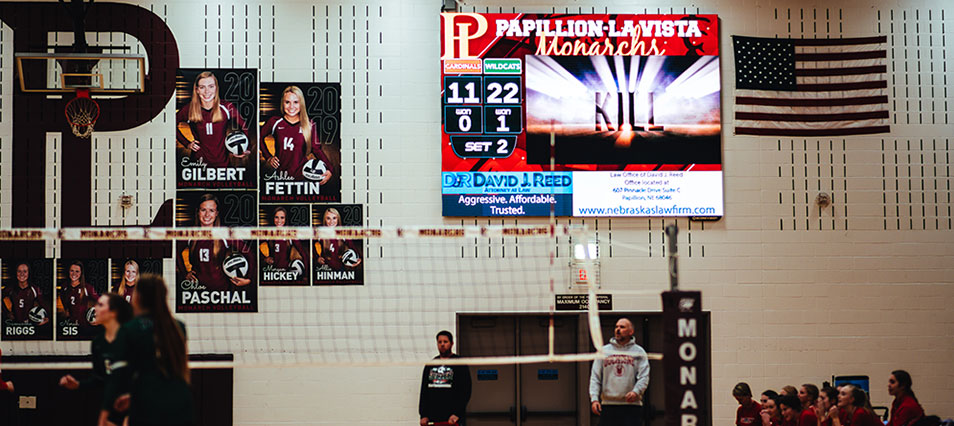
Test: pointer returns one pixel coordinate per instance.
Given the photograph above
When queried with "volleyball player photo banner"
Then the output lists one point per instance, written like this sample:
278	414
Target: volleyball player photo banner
587	115
27	289
79	283
216	128
338	261
124	274
300	148
215	275
284	262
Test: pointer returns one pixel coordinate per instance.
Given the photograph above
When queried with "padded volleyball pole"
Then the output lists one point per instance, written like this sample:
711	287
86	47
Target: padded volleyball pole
672	231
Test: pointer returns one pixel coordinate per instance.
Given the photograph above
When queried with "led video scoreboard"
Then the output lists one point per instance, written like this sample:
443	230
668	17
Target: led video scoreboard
580	115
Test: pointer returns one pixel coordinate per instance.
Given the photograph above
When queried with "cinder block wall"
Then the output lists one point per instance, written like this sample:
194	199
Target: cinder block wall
797	293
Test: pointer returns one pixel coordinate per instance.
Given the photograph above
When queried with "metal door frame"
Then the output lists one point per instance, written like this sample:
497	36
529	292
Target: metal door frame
518	411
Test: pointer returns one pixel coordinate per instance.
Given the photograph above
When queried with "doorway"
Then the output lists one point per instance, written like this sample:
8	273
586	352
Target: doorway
541	394
550	394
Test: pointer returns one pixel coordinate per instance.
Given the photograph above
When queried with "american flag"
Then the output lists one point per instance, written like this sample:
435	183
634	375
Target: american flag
810	87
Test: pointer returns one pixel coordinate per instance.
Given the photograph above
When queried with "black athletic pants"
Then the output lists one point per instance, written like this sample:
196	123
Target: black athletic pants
621	415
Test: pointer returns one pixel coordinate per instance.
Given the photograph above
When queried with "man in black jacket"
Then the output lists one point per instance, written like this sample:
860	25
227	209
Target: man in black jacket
445	389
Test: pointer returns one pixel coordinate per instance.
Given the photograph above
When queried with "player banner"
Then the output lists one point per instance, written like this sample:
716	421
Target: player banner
340	260
300	152
216	134
80	282
27	289
214	275
284	262
584	115
124	274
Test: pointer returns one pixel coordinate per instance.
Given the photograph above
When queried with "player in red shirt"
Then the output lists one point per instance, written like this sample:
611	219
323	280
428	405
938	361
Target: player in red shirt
749	411
853	401
905	410
295	137
280	253
827	398
76	295
208	119
770	414
202	259
790	408
130	277
807	395
329	252
18	300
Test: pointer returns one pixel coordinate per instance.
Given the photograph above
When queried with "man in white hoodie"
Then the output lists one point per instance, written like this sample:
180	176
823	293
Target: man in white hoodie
620	379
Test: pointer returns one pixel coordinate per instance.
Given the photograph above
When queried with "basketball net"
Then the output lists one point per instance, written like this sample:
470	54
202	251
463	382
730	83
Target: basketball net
81	113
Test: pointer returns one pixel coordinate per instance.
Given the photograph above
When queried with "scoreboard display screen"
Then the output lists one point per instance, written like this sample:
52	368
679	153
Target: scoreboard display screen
581	115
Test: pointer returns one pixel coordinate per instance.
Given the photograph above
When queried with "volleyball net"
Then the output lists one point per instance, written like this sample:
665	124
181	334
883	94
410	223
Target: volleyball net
343	296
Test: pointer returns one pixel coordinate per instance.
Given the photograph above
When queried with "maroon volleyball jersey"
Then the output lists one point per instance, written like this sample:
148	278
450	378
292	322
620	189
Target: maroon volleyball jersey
126	292
208	267
209	135
336	248
290	145
23	299
77	300
280	250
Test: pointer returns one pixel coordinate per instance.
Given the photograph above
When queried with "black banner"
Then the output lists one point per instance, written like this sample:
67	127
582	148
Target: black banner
581	302
685	359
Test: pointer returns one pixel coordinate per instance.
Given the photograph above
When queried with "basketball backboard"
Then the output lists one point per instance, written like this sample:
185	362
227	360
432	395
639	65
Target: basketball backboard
100	73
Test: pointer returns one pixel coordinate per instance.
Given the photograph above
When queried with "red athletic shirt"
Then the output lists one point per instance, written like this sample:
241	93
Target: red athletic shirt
862	417
209	135
808	417
905	411
290	145
749	414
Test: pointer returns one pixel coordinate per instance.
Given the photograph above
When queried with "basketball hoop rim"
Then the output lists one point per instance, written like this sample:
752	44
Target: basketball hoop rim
90	105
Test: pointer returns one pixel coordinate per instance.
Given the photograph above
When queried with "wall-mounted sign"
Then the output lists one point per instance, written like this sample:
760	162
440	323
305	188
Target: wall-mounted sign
580	302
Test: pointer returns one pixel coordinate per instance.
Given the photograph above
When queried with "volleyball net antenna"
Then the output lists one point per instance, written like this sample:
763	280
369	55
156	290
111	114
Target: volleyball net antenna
415	282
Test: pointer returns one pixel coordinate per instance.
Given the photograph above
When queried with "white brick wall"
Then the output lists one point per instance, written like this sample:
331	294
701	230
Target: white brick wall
797	294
